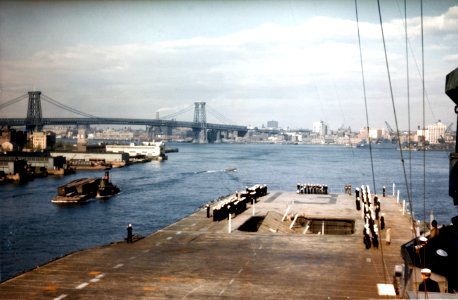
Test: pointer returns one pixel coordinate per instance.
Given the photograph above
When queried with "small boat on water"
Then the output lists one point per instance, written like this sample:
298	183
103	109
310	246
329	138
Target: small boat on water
106	189
82	189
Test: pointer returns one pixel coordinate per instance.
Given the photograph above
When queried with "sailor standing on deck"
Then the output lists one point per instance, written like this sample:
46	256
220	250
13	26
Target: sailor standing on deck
428	285
434	230
388	236
367	238
129	233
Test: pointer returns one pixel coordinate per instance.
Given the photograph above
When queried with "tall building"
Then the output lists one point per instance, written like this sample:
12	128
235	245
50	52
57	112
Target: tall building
43	140
272	124
320	127
435	132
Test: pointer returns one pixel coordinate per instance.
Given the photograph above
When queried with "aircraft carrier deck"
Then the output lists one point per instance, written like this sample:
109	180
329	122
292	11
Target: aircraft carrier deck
197	257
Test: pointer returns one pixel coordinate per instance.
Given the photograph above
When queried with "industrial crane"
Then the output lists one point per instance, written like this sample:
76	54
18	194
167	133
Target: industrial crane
393	135
390	130
441	140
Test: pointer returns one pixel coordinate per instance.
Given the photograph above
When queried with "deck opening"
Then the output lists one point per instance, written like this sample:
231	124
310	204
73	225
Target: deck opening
327	226
272	222
252	224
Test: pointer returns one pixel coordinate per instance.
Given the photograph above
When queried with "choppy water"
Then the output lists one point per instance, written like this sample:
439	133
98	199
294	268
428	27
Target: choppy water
34	231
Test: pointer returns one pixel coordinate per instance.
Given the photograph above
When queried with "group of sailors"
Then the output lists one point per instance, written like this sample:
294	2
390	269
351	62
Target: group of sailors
437	252
370	212
312	188
237	203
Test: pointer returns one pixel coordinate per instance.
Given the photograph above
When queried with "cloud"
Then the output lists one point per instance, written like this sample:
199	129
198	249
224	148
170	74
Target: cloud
453	58
266	71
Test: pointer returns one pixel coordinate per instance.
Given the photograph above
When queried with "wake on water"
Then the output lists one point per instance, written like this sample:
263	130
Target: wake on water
227	170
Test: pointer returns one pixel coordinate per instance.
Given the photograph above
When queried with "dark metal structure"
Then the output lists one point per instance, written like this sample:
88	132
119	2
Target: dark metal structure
200	117
203	132
451	89
34	113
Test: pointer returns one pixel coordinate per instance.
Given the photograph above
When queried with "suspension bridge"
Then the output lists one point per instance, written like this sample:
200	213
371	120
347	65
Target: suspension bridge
203	132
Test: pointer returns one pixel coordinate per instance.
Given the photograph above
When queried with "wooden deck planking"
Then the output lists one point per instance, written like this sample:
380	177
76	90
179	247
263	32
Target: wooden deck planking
197	258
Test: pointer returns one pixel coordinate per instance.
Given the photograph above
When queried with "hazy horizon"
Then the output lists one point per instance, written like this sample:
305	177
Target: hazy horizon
295	62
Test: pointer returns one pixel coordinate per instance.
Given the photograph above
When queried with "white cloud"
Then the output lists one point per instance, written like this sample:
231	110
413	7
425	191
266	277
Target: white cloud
453	58
252	74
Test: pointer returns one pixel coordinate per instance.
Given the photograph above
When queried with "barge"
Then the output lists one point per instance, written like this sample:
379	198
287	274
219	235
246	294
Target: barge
82	189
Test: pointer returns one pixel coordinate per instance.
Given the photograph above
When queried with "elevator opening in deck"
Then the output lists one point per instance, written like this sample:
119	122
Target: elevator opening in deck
272	222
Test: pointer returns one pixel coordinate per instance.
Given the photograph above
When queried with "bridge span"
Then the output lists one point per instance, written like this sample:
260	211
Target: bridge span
203	131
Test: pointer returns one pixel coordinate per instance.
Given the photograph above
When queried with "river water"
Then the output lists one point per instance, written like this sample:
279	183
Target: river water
156	194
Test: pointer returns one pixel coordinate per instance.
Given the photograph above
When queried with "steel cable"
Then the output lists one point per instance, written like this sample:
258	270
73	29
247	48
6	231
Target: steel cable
13	101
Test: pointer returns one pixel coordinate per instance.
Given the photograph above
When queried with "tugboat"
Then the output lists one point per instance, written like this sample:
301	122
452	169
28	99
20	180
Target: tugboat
106	188
81	190
76	191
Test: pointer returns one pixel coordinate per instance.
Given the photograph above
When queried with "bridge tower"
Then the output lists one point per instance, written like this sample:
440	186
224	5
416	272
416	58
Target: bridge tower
150	132
200	118
34	113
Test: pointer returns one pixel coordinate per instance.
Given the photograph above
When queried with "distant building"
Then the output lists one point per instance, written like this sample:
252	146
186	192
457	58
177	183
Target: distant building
435	132
343	131
43	140
12	140
294	137
320	127
272	124
375	134
111	134
82	136
421	135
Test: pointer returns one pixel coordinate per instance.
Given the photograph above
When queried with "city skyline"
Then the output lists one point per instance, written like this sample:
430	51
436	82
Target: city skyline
295	62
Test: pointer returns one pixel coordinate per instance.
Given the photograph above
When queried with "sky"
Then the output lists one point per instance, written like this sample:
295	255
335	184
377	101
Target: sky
296	62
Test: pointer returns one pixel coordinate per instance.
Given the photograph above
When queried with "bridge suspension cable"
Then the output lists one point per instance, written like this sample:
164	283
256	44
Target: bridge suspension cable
173	115
12	101
219	116
66	107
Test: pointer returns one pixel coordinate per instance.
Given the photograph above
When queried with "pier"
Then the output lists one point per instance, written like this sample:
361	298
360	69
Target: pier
198	257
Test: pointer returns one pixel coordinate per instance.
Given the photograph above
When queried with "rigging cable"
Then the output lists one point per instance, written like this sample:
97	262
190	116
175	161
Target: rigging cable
424	122
367	125
424	125
409	141
392	100
365	97
396	120
412	54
